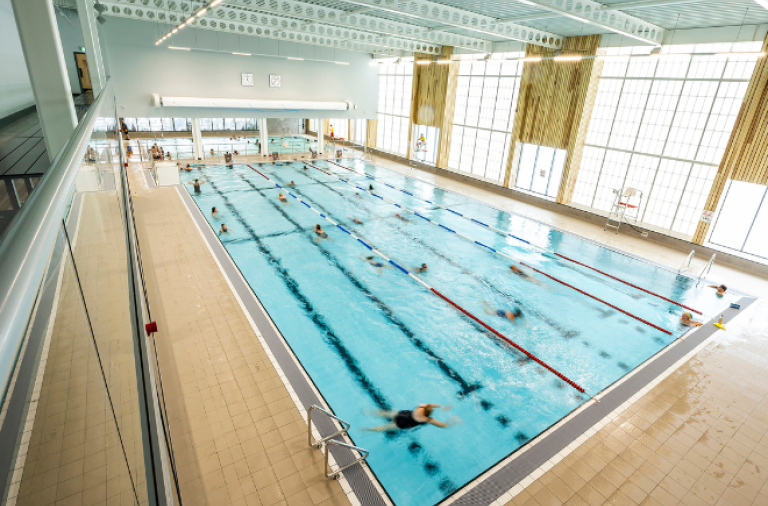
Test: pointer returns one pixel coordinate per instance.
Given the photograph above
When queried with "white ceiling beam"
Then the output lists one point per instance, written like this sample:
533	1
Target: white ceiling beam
353	19
591	12
459	18
378	45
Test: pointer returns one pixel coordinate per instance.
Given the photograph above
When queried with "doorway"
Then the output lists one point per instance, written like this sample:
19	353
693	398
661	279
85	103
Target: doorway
82	71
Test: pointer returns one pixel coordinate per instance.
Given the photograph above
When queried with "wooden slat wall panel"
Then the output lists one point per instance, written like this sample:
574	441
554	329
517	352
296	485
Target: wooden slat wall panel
431	100
446	131
746	155
373	126
550	106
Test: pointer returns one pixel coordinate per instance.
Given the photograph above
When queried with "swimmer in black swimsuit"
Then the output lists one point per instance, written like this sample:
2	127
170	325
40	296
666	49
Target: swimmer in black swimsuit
408	419
196	184
224	229
320	233
512	314
370	187
372	260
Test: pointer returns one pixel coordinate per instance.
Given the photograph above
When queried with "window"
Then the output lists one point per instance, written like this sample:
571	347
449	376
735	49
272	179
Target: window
217	124
340	128
743	220
206	124
142	125
229	124
361	131
540	169
486	98
661	125
156	124
394	108
425	143
183	124
313	125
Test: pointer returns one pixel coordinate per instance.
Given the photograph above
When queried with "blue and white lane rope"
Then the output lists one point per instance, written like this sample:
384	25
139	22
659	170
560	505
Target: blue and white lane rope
501	253
507	234
431	289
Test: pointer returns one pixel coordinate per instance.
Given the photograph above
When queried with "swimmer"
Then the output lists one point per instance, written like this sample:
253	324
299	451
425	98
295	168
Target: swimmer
224	229
371	260
211	150
402	218
291	184
357	220
421	270
687	319
282	198
512	315
196	184
320	233
720	289
411	418
370	187
188	168
358	195
215	212
524	275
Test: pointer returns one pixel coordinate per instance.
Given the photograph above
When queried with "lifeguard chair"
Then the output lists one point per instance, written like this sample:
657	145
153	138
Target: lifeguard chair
626	205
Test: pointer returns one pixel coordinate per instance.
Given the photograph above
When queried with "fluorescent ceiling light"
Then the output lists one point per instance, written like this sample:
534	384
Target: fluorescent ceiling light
216	2
179	48
568	58
341	62
423	62
295	58
174	30
243	54
202	11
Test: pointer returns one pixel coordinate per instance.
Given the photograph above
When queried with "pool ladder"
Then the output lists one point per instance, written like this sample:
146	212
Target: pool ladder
328	440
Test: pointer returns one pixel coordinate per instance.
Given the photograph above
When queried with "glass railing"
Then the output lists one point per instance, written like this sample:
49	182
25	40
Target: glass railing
82	418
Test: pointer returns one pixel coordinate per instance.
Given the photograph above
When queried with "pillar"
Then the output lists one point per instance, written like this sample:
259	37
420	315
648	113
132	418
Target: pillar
88	25
40	41
320	139
197	138
264	138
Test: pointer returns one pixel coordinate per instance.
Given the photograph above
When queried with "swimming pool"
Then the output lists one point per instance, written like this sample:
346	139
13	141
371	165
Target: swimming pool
373	340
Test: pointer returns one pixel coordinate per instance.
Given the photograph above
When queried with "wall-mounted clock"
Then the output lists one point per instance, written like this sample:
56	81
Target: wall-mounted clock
247	79
274	81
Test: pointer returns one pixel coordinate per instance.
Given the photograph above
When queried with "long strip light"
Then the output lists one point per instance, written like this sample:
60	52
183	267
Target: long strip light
191	19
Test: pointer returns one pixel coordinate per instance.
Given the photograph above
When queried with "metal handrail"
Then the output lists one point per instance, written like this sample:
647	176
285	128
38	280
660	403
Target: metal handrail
363	456
29	239
687	263
317	444
707	267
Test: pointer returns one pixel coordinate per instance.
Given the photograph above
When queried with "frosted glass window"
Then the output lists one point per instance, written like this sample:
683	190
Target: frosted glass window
229	124
540	169
486	99
142	125
394	108
218	124
662	126
757	241
239	123
167	124
741	205
206	124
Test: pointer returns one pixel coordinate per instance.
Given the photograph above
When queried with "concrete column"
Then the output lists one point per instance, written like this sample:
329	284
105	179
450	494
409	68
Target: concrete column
88	25
197	138
320	136
264	138
44	56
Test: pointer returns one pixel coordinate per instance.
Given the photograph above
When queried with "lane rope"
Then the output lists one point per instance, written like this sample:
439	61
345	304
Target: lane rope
431	289
598	299
515	237
501	253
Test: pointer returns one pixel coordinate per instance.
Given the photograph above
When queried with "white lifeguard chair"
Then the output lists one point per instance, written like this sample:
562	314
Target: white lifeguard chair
626	205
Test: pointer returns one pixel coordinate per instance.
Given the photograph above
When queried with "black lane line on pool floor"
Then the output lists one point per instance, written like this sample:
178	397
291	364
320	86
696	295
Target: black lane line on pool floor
545	253
566	334
358	479
502	480
431	468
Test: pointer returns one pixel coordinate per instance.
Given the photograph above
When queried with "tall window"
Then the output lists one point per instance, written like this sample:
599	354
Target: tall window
361	131
743	220
425	143
394	109
340	128
661	125
486	98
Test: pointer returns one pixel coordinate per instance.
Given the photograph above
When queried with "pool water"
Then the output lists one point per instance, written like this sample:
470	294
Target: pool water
372	338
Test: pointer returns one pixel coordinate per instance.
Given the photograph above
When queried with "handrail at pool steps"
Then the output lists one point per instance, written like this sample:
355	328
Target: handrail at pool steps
328	440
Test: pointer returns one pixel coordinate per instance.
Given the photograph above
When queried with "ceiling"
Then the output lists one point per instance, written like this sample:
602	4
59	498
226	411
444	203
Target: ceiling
397	26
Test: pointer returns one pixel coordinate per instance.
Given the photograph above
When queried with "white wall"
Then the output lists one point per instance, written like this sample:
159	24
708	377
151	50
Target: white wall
15	88
71	37
139	69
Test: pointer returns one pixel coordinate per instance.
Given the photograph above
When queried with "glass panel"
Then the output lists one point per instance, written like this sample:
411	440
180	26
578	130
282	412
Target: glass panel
527	166
155	124
21	190
757	242
218	124
229	124
557	172
540	178
741	204
142	125
206	124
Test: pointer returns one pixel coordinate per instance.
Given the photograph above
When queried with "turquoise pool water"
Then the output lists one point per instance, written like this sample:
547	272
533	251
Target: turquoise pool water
374	338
